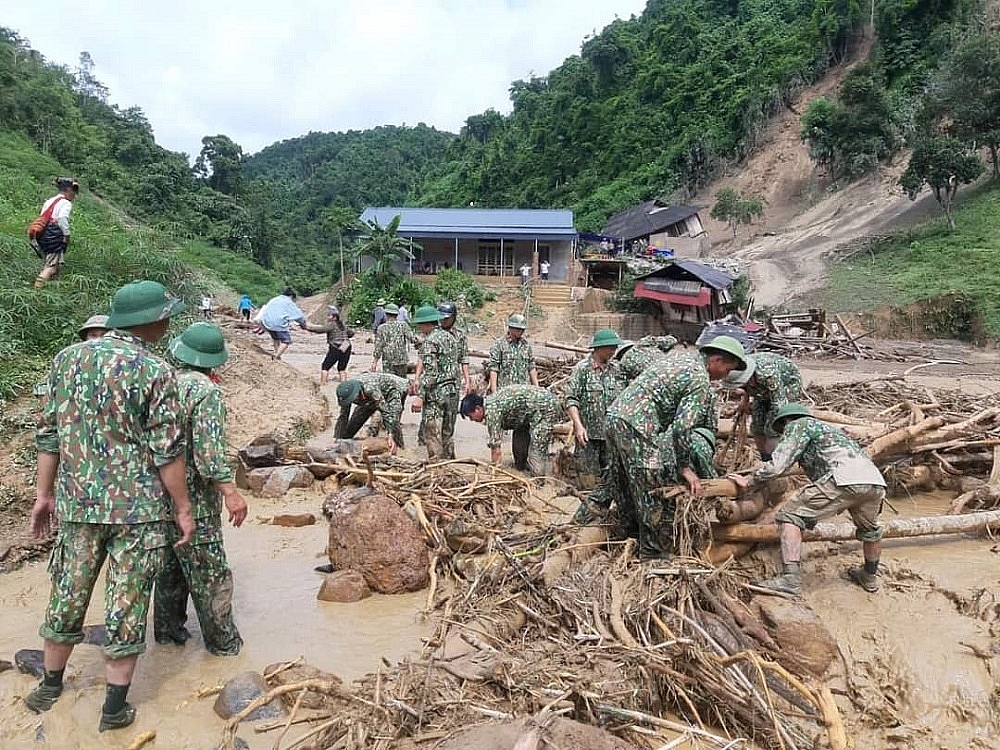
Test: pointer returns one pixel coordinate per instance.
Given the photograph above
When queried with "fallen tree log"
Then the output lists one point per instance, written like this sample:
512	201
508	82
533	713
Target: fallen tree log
897	528
565	347
884	444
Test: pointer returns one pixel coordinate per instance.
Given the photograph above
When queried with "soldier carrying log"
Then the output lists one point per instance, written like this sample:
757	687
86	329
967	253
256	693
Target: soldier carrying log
769	382
842	478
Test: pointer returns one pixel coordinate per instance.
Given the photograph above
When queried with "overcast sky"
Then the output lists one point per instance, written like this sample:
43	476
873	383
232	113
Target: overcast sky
262	71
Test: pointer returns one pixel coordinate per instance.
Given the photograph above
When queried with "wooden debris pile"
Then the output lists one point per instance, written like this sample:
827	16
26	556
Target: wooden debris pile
644	651
812	334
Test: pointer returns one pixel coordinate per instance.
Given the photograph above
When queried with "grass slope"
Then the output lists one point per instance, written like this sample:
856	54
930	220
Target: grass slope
105	252
928	261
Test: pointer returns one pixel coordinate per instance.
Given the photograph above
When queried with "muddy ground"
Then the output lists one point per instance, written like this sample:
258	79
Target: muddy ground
921	654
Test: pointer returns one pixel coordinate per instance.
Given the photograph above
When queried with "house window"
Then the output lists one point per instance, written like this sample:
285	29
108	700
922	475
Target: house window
489	259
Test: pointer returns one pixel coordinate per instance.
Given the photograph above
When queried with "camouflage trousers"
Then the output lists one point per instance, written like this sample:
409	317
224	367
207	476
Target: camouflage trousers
399	370
198	569
134	553
350	422
639	464
440	413
530	445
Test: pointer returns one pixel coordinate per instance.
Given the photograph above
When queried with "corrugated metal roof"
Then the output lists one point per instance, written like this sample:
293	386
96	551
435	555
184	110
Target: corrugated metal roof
684	269
485	223
651	217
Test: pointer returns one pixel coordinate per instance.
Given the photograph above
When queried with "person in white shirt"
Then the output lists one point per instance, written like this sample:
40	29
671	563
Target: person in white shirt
543	271
207	306
54	239
525	274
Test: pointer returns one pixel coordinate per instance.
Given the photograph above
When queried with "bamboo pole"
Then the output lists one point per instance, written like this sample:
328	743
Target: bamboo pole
896	528
565	347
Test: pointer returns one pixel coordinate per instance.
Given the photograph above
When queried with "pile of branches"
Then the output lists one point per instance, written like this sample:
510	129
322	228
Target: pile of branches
611	641
810	333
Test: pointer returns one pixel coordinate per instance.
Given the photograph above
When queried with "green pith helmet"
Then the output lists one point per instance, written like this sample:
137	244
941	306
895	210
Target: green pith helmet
426	314
348	391
391	310
707	434
94	323
517	321
789	410
201	345
728	345
739	378
605	337
142	302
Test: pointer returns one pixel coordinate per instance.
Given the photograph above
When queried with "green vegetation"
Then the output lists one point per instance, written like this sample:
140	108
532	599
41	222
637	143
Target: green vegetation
737	209
458	286
929	261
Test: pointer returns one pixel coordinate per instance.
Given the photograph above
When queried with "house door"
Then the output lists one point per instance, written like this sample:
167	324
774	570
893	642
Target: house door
489	259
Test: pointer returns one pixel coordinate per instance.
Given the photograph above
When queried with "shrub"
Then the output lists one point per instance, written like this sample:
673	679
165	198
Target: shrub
452	284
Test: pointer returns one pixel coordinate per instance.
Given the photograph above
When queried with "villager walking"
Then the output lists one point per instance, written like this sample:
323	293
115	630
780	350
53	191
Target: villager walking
277	316
438	384
528	410
842	477
245	306
393	340
53	241
512	361
200	568
338	343
369	393
110	461
650	428
769	382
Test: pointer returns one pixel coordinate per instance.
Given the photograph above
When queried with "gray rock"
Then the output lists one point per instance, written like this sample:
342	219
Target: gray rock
264	450
257	478
238	742
238	694
284	478
30	661
95	635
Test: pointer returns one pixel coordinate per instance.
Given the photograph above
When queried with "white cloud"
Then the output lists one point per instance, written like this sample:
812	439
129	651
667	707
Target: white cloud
261	71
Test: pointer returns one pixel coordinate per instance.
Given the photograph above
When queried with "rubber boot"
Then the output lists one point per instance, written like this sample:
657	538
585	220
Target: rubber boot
118	720
864	579
788	582
43	697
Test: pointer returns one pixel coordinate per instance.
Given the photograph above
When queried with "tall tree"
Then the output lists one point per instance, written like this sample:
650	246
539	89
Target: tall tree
220	164
384	248
945	164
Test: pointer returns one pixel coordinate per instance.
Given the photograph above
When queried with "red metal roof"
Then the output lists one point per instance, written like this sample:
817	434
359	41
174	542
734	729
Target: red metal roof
702	299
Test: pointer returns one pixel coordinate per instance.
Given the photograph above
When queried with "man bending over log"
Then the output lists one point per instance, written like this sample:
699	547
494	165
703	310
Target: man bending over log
368	393
529	410
842	478
769	382
650	429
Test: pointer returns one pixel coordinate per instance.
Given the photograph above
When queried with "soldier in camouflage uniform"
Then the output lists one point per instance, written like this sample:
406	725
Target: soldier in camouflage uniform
593	386
110	460
393	340
449	315
634	358
770	381
511	360
649	430
842	477
437	385
372	392
528	410
200	568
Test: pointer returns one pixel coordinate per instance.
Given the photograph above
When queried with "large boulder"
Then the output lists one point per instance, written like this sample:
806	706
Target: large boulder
284	478
373	535
344	586
806	644
240	692
264	450
257	478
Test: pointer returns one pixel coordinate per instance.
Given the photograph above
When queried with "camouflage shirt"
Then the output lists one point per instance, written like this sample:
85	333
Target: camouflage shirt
675	397
386	392
205	419
776	381
518	406
699	455
647	351
439	356
822	451
592	390
512	361
392	343
113	417
463	344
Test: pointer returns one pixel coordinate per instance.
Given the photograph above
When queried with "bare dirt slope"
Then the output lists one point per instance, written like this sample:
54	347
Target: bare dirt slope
785	254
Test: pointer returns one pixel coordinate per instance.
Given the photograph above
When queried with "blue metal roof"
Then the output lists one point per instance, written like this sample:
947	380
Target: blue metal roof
484	223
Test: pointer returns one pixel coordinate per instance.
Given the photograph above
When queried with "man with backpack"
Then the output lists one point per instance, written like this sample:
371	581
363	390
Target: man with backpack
49	233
